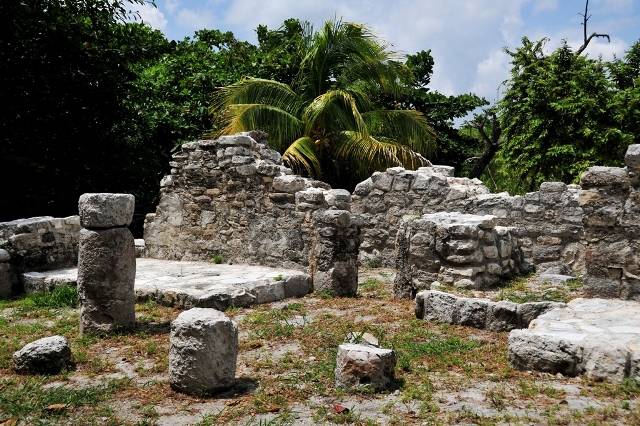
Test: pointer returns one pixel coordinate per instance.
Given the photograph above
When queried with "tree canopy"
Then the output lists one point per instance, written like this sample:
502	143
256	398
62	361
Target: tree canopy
327	121
563	112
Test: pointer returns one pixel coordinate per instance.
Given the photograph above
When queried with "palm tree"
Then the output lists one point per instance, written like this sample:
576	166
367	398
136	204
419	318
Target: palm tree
327	118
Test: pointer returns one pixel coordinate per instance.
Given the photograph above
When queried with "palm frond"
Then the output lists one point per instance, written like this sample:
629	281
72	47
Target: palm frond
258	91
302	155
281	126
406	127
369	154
334	110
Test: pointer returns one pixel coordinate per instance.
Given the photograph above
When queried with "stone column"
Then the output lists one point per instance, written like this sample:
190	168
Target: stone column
7	275
334	256
106	263
203	353
609	247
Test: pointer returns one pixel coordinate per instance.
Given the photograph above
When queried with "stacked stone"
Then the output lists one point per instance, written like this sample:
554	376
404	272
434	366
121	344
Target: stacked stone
7	275
432	305
334	257
106	263
35	244
233	197
548	222
610	199
463	250
203	353
382	200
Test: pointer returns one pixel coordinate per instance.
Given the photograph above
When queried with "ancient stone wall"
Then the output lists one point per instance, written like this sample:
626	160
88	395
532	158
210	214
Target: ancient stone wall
464	250
36	244
611	202
547	222
232	200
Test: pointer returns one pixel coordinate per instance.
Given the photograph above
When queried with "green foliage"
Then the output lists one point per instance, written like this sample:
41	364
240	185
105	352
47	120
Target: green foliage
60	297
326	122
563	113
453	145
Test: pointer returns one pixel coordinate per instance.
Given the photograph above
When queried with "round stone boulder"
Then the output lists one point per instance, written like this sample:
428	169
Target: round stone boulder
49	355
359	365
105	210
203	353
106	277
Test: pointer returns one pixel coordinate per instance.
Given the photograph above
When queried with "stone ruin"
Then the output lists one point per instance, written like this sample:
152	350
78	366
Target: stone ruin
463	250
547	222
106	263
231	200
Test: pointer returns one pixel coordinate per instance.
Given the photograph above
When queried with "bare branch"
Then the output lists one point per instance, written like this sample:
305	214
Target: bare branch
587	40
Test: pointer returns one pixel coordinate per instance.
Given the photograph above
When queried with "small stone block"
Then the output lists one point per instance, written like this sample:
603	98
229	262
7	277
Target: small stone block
105	210
361	365
203	353
49	355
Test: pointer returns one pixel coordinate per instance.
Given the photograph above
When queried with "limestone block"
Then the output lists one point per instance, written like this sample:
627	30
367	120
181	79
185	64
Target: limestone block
502	316
340	280
105	210
364	365
49	355
596	337
203	352
632	157
600	176
106	275
289	184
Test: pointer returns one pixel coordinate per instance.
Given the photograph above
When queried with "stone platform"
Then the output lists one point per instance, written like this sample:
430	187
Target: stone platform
189	284
599	338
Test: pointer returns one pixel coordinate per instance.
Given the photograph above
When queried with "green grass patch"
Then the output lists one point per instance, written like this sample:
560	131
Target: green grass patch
59	297
418	342
26	397
217	259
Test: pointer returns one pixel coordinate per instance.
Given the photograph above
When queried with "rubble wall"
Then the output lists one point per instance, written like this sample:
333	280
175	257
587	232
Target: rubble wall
611	202
232	200
548	222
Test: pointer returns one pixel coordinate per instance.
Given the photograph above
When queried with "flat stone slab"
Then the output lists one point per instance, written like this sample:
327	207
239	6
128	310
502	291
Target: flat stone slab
599	338
201	284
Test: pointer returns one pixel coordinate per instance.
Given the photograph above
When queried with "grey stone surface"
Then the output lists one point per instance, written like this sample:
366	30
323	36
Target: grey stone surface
334	253
599	338
140	247
464	250
105	210
232	197
365	365
106	275
203	352
7	279
49	280
432	305
207	285
49	355
39	243
548	222
611	204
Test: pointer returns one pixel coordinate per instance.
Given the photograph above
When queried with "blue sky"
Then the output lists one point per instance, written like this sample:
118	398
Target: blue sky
467	37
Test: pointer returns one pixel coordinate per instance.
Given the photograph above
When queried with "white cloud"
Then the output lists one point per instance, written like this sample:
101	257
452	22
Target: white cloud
545	5
490	73
151	16
171	6
192	20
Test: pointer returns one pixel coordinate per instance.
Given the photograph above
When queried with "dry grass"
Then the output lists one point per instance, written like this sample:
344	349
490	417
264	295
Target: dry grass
447	374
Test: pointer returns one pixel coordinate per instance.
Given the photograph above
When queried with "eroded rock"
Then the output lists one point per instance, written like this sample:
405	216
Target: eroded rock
204	351
49	355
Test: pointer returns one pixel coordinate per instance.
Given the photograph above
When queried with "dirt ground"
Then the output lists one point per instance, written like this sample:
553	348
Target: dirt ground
447	374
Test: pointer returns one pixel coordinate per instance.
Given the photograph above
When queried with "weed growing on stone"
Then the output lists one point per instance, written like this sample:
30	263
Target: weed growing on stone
217	259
